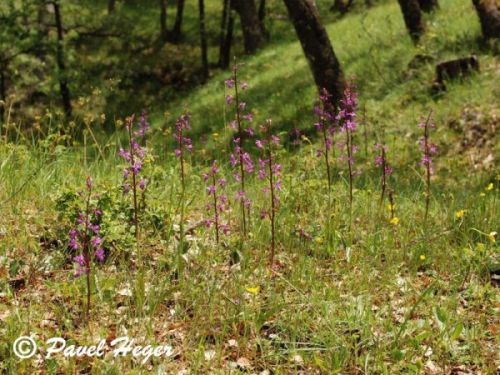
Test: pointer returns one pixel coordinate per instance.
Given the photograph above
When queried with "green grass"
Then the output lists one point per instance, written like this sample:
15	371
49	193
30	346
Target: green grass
414	297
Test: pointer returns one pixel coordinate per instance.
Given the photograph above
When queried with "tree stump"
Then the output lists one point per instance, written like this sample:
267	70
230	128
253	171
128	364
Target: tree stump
452	69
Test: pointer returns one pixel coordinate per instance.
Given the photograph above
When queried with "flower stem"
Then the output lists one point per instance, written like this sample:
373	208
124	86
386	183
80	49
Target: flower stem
428	166
134	183
349	163
327	162
240	145
383	166
183	190
216	213
273	208
86	255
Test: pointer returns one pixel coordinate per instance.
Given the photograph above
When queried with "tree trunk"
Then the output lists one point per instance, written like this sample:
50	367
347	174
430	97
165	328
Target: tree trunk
225	51
262	17
3	94
163	20
63	84
262	10
176	31
223	26
253	36
413	18
428	6
489	17
203	40
111	6
317	47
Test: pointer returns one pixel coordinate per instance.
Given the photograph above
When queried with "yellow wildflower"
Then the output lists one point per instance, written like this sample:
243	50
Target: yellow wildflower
490	186
480	246
459	214
482	194
253	290
422	257
492	237
394	221
318	240
391	207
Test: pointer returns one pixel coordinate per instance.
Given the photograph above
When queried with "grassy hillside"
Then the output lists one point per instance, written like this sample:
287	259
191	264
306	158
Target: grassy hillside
353	290
374	48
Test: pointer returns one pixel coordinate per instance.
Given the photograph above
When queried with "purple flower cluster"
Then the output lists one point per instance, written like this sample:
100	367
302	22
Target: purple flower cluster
326	121
267	162
219	201
428	149
269	170
381	159
347	122
240	156
85	236
239	159
241	107
135	155
183	143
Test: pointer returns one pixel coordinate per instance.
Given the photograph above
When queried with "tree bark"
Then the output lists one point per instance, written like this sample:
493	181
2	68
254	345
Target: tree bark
111	6
412	15
163	20
262	11
176	31
253	35
3	94
225	48
489	17
223	26
63	84
203	40
428	6
317	47
262	17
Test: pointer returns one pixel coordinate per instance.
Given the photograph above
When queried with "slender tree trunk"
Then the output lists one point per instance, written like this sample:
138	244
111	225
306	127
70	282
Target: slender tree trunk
63	84
176	31
262	10
262	17
413	18
111	6
223	26
203	40
253	36
317	47
428	6
489	17
3	94
225	51
163	20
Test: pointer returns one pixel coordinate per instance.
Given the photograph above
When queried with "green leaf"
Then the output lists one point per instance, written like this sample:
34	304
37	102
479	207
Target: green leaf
457	331
13	267
397	355
422	336
440	315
